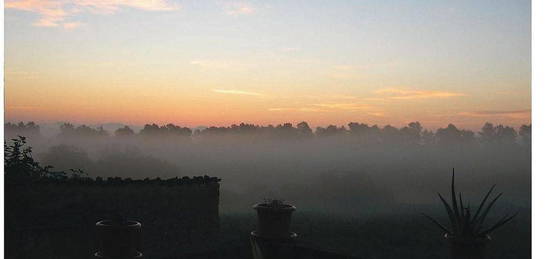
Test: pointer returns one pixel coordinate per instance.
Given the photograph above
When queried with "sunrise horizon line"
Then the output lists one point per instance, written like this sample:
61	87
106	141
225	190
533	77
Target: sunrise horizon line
429	126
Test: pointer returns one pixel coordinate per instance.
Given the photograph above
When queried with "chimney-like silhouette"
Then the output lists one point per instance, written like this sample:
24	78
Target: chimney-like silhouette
118	239
273	239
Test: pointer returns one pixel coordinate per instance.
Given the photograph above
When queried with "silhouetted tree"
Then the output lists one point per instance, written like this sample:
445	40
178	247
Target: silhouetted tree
175	130
69	130
304	129
412	133
166	130
29	129
488	133
124	132
390	135
468	136
150	130
505	134
285	130
367	134
330	130
19	164
449	135
374	135
358	129
497	135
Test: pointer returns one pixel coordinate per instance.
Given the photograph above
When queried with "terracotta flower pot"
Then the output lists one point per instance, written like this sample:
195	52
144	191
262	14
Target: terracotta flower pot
118	240
274	222
467	248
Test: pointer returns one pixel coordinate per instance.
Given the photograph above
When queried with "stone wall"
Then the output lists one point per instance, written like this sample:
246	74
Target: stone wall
57	217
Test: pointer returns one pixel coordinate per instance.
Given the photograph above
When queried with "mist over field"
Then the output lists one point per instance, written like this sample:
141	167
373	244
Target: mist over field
121	111
353	170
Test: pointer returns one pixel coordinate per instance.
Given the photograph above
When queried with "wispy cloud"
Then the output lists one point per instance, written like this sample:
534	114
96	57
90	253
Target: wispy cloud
239	8
332	97
344	106
71	25
112	6
299	109
373	99
512	114
377	114
55	13
335	102
332	107
343	96
405	94
236	92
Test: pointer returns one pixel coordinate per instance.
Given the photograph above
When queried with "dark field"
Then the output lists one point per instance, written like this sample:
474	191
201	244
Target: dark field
376	237
383	237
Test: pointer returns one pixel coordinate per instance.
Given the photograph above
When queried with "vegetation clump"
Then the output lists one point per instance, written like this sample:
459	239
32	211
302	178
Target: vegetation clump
463	224
20	164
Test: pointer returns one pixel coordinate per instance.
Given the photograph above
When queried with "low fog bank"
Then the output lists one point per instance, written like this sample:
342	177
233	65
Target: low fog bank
345	170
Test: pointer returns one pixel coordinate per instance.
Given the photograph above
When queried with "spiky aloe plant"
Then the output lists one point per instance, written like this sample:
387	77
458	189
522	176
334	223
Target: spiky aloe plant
464	225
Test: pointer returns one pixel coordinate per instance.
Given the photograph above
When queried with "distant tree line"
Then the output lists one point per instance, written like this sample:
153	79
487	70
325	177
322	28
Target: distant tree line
165	130
286	130
69	130
21	128
413	133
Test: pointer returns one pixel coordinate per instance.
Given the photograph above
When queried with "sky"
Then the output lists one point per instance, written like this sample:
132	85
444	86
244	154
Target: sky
203	63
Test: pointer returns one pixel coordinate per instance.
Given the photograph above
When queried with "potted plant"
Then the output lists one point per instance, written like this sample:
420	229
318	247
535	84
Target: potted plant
119	238
274	218
467	235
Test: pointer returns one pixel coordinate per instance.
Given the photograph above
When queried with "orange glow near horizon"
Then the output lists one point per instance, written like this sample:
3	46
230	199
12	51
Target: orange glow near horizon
139	104
213	63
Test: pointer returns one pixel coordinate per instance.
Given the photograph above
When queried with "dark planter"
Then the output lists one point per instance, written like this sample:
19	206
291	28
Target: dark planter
274	222
118	240
467	248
